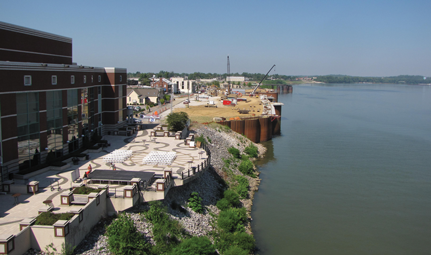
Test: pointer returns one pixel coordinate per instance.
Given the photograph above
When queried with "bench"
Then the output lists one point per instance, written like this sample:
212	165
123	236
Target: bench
79	200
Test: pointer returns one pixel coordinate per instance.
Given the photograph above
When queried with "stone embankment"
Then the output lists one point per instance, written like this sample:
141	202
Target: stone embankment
209	185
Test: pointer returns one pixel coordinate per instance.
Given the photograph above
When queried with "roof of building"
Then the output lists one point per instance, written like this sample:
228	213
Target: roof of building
145	92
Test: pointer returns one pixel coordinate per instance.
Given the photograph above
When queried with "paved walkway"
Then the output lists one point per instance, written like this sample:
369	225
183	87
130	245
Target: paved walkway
141	144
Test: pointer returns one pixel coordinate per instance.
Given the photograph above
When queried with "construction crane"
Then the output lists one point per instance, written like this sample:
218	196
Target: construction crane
254	90
228	76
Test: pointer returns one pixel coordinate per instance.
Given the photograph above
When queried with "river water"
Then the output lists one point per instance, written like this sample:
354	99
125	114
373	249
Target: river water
350	174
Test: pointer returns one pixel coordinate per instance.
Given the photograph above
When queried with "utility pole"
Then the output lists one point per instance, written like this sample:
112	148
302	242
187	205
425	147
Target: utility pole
228	76
172	95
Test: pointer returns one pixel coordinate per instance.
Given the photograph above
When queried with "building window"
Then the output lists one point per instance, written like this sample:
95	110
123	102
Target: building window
27	109
72	79
54	80
130	99
99	78
54	123
27	80
85	78
92	79
72	119
121	78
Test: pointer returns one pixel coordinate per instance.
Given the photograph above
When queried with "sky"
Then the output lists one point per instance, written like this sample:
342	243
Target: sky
359	38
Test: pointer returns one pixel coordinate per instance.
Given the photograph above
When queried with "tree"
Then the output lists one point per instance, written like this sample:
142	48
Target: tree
123	237
195	202
195	246
177	121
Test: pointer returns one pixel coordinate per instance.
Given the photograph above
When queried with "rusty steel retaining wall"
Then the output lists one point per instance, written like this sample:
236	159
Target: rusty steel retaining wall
237	126
265	129
257	129
252	129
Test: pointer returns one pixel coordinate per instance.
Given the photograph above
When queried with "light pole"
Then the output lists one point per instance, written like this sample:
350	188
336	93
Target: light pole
172	95
188	94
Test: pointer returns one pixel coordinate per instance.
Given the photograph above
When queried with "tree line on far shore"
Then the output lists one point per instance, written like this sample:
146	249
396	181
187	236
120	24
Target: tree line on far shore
401	79
282	79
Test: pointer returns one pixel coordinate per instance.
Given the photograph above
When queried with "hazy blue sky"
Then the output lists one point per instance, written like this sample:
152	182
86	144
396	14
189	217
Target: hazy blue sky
365	38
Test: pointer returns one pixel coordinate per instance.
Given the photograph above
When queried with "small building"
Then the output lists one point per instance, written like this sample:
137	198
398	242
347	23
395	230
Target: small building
183	85
163	83
144	95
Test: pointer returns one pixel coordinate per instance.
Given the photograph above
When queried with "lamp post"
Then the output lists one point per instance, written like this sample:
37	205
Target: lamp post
188	98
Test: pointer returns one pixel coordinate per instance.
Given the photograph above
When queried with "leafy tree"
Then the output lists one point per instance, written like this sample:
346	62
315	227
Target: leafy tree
177	121
123	237
195	202
162	100
195	246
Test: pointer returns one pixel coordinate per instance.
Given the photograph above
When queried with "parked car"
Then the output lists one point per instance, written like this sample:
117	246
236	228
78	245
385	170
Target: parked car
137	120
137	108
186	101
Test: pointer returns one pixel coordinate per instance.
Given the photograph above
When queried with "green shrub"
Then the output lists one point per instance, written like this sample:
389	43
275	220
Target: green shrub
242	180
209	139
167	232
195	202
195	246
200	139
223	204
246	167
232	197
49	218
123	237
226	241
242	191
156	213
242	188
235	250
232	219
234	151
251	150
85	190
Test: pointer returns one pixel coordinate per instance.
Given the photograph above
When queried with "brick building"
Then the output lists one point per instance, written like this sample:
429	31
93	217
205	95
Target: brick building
47	102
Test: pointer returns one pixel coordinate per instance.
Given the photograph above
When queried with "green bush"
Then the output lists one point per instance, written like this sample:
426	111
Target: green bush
195	246
49	218
223	204
123	237
232	219
235	152
177	121
227	240
157	213
85	190
232	197
242	188
209	139
200	139
167	232
251	150
195	202
246	167
235	250
242	191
